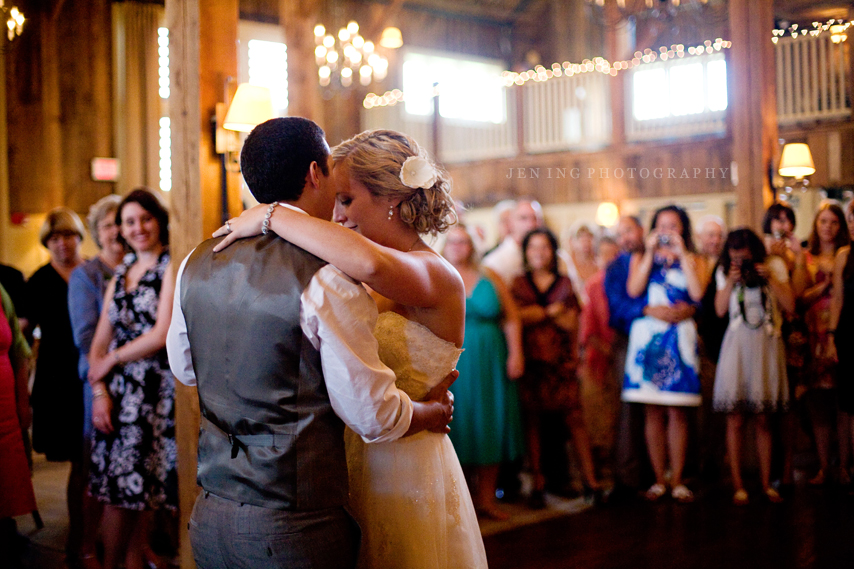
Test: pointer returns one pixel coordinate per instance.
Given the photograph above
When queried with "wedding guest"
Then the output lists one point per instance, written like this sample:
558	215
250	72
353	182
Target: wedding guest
487	426
829	234
600	395
57	392
549	311
578	256
133	470
661	366
506	258
751	373
849	217
841	330
16	287
16	487
86	288
501	214
630	463
711	234
778	226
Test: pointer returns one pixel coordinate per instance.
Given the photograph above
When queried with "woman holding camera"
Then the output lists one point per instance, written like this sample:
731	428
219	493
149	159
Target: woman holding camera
661	363
751	374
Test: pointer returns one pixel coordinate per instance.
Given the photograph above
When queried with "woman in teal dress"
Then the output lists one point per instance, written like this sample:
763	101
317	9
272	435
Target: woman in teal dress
487	427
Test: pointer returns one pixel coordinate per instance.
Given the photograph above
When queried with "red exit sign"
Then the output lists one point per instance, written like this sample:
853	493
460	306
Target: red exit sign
105	169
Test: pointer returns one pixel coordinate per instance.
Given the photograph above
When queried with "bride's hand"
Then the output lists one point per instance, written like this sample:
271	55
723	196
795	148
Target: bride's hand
247	225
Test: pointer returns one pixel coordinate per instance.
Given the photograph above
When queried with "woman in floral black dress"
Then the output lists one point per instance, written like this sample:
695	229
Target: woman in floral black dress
134	453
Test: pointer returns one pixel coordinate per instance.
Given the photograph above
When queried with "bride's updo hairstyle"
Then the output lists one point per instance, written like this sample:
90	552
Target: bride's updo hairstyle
375	159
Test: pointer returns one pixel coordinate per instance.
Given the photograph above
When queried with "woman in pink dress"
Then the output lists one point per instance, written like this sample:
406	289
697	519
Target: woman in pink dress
16	487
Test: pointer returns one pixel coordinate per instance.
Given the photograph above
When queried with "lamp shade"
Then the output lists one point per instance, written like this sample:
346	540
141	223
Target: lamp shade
391	38
251	106
796	161
607	214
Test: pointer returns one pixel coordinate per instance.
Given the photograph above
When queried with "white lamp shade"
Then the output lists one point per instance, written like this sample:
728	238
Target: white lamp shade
391	38
796	161
251	106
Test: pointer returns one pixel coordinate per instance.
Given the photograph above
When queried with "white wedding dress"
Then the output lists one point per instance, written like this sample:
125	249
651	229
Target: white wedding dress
410	496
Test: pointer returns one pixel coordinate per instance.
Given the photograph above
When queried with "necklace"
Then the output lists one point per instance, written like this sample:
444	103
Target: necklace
414	243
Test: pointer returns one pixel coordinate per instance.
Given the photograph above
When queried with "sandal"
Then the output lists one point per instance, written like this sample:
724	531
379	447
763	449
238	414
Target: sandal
740	498
682	494
773	496
655	492
818	479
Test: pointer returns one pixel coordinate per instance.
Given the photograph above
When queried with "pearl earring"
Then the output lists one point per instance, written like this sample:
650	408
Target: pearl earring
390	212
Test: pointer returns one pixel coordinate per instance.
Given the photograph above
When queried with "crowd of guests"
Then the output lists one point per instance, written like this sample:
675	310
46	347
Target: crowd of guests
650	351
102	395
628	344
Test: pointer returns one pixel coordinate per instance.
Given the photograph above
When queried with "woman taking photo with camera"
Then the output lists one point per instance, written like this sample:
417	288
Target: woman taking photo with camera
751	374
661	365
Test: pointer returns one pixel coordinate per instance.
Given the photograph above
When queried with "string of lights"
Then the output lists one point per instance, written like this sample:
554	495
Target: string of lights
837	28
568	69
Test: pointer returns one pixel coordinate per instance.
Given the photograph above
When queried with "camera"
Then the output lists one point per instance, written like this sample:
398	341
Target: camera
664	239
749	275
778	235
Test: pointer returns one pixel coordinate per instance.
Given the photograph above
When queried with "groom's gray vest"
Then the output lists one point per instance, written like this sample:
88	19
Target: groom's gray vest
269	436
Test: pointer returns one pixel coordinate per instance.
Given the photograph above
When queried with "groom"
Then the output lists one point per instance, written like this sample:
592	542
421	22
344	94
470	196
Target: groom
280	345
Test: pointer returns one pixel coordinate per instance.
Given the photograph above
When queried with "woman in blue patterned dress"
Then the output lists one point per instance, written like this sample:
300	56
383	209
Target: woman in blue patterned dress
661	365
133	453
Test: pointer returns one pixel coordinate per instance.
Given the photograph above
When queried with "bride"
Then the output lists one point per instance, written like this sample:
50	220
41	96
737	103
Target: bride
409	496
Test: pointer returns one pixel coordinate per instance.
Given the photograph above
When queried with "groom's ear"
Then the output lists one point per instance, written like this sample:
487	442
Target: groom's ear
312	177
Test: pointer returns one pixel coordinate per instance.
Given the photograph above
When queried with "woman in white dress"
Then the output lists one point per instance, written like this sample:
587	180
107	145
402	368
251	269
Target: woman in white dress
751	376
410	496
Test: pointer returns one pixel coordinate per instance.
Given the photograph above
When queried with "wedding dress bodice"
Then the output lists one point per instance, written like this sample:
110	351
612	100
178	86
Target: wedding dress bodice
419	358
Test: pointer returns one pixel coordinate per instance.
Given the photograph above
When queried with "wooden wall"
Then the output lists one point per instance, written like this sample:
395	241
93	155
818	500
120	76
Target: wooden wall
59	81
616	174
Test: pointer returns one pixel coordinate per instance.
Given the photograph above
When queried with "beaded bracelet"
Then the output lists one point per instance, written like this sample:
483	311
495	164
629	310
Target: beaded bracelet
265	226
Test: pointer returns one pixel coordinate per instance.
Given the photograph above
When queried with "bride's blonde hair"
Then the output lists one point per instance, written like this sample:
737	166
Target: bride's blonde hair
375	158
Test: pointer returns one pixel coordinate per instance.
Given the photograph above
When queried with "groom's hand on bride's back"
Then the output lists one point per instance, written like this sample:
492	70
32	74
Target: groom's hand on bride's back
436	410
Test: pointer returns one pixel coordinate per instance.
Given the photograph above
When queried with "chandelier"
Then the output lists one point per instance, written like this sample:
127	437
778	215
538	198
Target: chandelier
14	20
348	56
615	12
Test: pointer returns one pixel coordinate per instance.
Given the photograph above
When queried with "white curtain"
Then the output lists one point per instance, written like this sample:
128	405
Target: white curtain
137	103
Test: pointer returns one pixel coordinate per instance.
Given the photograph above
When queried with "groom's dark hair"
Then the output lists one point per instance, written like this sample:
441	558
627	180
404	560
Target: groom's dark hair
276	157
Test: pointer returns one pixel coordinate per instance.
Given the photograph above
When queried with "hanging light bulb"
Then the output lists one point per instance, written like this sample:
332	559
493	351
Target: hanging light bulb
342	56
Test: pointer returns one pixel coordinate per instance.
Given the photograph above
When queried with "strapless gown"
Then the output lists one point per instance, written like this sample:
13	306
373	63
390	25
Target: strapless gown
410	496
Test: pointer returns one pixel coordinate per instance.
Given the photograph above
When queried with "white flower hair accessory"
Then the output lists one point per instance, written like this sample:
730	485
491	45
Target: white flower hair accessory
417	172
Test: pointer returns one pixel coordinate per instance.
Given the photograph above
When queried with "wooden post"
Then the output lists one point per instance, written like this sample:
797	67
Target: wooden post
752	106
203	53
298	17
186	231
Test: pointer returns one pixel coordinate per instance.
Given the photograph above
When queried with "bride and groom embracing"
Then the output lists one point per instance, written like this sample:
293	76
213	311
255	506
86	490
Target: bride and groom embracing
287	347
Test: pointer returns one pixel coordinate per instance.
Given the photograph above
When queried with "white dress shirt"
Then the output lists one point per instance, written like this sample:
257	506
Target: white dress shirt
337	316
506	260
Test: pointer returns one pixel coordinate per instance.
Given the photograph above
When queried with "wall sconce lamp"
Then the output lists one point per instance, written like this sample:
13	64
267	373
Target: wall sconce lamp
796	162
607	214
250	106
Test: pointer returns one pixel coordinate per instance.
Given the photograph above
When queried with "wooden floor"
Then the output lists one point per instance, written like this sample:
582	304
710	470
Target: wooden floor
814	528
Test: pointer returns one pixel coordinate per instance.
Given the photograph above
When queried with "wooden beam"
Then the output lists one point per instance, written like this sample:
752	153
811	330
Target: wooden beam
186	228
298	18
752	110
